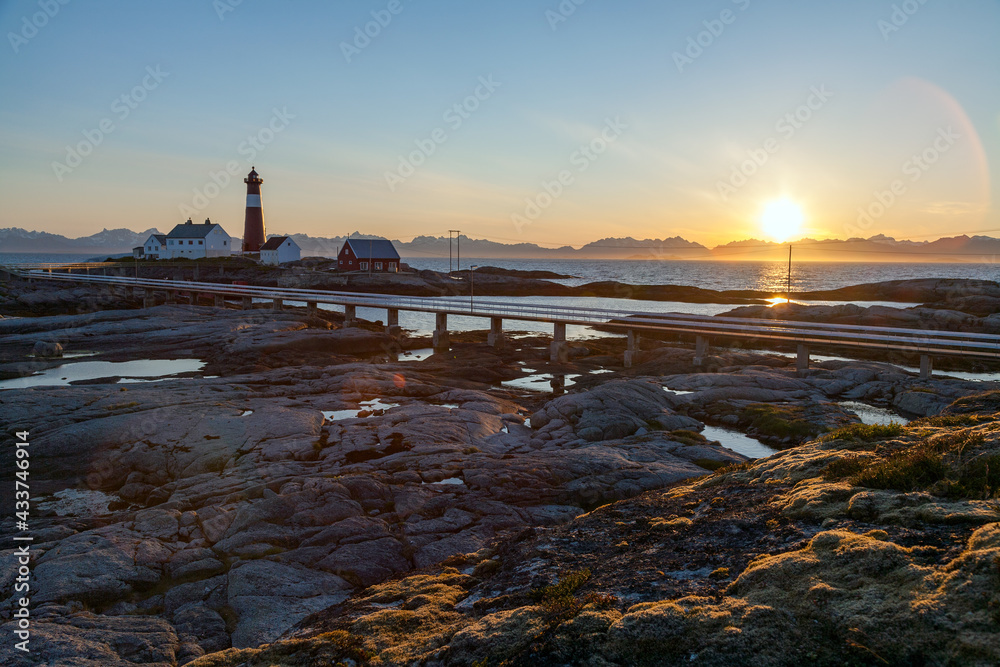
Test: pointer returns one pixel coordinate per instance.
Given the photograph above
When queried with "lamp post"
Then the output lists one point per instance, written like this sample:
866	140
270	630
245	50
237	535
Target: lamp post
472	290
788	292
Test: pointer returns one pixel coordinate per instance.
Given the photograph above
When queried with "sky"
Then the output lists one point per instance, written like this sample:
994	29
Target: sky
543	121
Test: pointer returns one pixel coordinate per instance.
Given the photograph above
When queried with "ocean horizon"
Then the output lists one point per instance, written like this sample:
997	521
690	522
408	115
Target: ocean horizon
706	274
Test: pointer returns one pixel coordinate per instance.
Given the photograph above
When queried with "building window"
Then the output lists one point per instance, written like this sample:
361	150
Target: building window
392	266
378	266
364	266
223	243
201	242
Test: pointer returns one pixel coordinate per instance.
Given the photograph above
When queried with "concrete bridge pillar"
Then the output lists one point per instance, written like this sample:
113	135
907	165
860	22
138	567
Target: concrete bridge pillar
196	272
392	322
559	350
926	367
633	348
247	303
700	349
276	304
222	269
171	296
802	360
311	308
220	301
350	315
441	341
496	338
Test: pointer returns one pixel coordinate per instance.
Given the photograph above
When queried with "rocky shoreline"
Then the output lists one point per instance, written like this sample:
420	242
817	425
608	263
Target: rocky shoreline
974	297
310	495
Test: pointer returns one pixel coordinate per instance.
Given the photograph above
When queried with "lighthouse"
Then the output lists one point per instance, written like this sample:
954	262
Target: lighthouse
253	227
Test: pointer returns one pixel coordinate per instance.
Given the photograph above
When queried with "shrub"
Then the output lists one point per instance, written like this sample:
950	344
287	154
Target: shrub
780	421
709	464
912	470
686	437
846	467
953	420
559	599
865	432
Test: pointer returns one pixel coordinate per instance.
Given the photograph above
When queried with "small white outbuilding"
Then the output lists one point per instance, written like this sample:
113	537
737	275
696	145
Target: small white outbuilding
280	250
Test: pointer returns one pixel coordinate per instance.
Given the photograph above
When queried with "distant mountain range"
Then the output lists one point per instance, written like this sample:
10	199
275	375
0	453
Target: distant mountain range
15	239
875	249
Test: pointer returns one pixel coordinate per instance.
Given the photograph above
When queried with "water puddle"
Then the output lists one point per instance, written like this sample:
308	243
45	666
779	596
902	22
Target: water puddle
537	382
246	413
870	414
738	442
366	407
454	481
142	370
77	502
679	392
67	355
416	355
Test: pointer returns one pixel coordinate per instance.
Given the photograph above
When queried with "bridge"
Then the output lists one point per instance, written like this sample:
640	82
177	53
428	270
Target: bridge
804	335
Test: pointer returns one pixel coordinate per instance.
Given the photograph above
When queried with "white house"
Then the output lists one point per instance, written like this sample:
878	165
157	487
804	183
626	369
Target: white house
155	247
193	241
280	249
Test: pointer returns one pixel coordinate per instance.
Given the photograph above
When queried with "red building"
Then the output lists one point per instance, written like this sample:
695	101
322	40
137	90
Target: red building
372	255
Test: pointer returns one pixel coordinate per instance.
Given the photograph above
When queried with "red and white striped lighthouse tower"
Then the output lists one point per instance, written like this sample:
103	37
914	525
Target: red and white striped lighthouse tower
253	227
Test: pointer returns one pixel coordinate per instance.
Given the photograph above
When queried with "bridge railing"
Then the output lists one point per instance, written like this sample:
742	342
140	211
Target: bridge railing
921	341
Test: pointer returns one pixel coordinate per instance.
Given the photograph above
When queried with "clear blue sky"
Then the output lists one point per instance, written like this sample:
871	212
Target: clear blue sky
668	165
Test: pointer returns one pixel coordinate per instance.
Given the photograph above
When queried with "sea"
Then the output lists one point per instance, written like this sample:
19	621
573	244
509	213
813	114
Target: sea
713	275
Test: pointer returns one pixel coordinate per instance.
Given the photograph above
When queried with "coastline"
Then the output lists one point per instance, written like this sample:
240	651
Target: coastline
246	507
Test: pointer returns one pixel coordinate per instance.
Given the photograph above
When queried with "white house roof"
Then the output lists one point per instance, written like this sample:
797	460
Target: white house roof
189	230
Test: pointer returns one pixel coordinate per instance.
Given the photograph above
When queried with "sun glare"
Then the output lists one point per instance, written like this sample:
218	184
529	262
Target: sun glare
781	219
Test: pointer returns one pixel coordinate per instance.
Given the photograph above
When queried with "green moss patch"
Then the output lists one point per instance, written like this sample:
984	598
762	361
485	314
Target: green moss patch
779	421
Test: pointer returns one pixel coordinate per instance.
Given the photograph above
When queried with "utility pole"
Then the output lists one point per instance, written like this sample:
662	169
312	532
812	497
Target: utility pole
788	293
451	235
472	291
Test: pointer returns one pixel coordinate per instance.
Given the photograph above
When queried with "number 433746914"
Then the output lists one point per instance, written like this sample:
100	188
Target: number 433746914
21	486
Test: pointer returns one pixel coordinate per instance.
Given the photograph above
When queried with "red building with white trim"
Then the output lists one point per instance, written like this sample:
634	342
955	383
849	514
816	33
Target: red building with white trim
371	255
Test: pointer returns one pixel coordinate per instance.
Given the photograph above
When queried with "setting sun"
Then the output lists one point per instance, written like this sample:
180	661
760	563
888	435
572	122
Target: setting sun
781	219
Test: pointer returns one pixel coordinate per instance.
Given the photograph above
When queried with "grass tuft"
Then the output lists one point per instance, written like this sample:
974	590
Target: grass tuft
780	421
709	464
865	432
